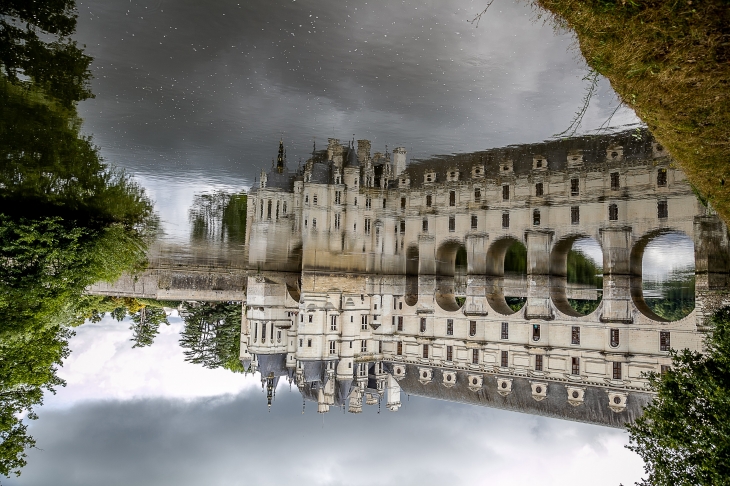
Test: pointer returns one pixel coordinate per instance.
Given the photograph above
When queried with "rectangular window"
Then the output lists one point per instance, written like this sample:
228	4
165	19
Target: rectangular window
314	200
368	203
425	350
449	353
364	322
337	220
505	359
423	324
477	194
263	332
536	332
574	188
399	348
333	323
400	323
616	371
332	347
612	212
452	223
664	343
575	366
664	369
309	343
283	208
505	193
363	346
538	189
310	317
474	221
472	328
536	217
380	347
615	182
277	209
662	210
574	215
256	332
452	198
425	226
505	330
314	223
475	356
403	226
338	196
268	210
575	335
449	327
614	338
661	178
402	203
429	200
538	362
384	202
505	220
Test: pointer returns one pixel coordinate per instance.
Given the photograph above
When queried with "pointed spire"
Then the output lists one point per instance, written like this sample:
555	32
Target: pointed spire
281	157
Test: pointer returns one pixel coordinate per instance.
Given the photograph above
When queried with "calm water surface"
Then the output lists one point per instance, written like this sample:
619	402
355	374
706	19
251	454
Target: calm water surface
357	313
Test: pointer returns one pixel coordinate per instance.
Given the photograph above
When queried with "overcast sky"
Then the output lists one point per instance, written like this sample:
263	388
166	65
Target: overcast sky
193	93
144	416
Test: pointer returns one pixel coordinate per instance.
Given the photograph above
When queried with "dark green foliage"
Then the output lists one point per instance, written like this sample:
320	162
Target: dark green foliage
146	325
684	435
677	301
212	334
584	307
66	219
515	260
219	216
34	44
516	303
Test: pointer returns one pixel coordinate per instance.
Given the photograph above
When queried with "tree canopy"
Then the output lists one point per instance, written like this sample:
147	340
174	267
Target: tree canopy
684	435
212	334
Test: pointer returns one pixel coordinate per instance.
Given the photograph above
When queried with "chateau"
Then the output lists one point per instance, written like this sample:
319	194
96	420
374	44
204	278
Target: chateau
359	297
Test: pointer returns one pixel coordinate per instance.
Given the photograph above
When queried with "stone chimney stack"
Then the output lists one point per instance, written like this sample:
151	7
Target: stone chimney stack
363	151
399	160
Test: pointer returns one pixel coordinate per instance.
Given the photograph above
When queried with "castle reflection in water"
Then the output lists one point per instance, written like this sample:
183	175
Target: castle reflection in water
354	293
376	311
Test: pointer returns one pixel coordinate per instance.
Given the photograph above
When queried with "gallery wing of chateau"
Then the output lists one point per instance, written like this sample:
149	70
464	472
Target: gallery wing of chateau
358	300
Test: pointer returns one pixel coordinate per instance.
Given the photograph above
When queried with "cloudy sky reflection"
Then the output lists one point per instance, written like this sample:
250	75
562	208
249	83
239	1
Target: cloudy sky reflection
144	416
208	88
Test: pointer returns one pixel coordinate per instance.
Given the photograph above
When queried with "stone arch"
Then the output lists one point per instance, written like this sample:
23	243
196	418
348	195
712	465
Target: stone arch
636	260
446	295
559	273
446	256
495	282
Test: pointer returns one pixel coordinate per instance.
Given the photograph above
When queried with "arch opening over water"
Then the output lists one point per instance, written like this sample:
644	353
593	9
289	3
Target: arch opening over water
576	283
663	264
507	267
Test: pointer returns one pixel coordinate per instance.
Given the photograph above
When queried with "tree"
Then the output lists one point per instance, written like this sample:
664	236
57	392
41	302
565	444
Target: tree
212	334
146	325
34	45
684	435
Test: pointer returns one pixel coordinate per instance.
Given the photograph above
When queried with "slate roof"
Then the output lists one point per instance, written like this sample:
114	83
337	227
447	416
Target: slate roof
594	410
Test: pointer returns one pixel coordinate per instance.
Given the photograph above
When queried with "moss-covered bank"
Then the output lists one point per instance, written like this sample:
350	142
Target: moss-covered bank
669	60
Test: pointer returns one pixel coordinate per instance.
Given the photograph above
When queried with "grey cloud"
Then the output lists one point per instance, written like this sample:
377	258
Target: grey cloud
234	440
215	84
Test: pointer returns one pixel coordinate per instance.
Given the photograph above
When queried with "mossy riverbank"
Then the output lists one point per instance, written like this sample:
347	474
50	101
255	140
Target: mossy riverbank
669	60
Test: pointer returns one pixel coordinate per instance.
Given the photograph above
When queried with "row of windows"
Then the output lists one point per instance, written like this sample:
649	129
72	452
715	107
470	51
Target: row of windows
664	336
269	205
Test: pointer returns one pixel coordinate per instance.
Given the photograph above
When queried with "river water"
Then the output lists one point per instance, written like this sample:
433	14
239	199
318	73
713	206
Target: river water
456	283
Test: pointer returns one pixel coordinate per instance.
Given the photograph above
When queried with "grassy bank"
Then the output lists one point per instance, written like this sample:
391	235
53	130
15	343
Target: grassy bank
670	62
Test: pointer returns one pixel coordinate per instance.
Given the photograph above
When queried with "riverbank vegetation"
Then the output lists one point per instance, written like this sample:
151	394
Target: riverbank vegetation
684	435
669	60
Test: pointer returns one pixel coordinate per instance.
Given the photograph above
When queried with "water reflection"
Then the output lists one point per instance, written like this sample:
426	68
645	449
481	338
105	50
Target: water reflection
501	278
